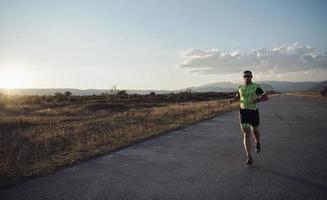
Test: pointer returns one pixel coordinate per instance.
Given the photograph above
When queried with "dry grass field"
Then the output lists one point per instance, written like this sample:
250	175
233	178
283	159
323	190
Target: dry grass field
41	134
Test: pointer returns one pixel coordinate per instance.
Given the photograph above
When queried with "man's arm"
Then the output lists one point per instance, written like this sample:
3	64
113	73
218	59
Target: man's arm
234	99
262	96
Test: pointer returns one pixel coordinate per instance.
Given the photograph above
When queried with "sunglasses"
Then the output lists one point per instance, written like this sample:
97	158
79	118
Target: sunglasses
245	76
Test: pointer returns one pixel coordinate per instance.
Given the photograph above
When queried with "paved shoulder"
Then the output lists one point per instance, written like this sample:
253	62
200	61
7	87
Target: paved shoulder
205	161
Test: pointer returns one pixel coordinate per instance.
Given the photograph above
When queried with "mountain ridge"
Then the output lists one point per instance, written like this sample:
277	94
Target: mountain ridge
278	86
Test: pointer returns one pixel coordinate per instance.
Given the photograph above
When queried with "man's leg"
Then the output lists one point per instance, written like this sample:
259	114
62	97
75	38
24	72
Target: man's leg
256	135
246	129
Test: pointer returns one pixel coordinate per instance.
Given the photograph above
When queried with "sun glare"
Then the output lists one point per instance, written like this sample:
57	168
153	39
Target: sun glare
11	78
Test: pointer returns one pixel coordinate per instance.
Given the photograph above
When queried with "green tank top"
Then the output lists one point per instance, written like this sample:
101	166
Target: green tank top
248	93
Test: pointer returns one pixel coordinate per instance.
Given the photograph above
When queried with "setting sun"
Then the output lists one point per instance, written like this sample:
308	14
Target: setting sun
11	78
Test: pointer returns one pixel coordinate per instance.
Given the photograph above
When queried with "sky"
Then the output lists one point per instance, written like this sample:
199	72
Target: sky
152	44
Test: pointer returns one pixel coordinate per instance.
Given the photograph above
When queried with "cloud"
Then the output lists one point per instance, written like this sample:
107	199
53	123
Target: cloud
308	75
292	58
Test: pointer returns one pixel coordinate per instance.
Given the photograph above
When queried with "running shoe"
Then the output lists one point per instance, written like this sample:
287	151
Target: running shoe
249	160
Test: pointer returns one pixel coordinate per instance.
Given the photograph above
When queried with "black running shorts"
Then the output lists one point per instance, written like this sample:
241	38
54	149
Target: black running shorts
248	116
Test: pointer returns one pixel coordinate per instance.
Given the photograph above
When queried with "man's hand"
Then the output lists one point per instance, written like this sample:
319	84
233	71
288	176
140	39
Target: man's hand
235	98
253	101
264	97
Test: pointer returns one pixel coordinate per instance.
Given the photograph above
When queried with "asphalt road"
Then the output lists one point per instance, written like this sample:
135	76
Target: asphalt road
206	161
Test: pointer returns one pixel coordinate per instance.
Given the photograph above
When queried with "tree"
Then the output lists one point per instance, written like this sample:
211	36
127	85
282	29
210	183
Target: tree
68	93
122	93
59	96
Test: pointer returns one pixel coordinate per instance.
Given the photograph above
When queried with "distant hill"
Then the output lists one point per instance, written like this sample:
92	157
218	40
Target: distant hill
226	87
217	87
284	86
319	86
40	91
267	87
52	91
278	86
213	87
222	85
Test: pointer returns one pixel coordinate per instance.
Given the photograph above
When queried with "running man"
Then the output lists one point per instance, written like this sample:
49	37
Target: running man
249	95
